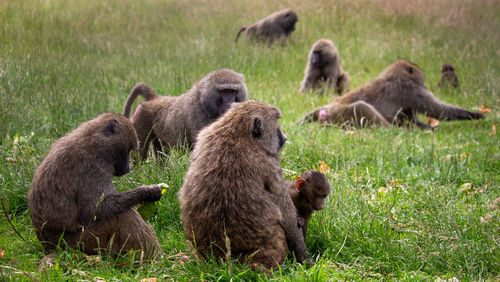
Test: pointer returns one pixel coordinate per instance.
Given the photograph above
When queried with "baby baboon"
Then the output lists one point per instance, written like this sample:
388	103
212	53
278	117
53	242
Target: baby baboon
72	194
448	76
272	28
323	65
308	194
171	121
396	97
234	190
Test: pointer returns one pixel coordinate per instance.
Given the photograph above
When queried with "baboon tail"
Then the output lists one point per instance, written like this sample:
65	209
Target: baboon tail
243	28
142	89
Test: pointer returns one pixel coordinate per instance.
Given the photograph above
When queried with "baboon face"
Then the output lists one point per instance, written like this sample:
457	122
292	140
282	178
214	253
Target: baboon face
447	67
402	69
117	139
313	185
288	20
323	53
267	132
222	88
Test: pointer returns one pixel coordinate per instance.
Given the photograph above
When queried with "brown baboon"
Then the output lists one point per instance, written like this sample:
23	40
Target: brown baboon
396	97
171	121
323	66
308	194
272	28
448	76
72	194
234	190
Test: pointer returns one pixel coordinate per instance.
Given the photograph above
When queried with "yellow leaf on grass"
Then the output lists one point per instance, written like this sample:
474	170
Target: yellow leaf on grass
493	130
484	109
467	188
432	121
323	167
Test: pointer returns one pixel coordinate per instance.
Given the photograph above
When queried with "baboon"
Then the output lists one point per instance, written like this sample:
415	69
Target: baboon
234	193
308	194
171	121
272	28
72	194
323	66
448	76
395	97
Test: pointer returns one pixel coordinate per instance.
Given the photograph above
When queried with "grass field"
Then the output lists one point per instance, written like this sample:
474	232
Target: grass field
405	203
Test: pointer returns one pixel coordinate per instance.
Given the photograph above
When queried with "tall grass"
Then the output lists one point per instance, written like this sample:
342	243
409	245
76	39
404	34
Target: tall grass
405	203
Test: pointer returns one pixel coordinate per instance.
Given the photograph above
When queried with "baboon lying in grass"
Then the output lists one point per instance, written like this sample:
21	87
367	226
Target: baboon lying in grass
396	96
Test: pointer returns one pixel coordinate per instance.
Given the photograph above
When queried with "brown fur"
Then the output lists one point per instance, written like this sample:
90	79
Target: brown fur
448	76
395	97
172	121
72	194
323	66
234	187
278	25
308	196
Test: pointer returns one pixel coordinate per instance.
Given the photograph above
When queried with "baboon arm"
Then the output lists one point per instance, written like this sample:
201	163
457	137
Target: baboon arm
115	203
310	117
429	105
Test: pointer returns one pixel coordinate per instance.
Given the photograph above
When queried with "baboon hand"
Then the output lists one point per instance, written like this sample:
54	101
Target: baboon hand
152	193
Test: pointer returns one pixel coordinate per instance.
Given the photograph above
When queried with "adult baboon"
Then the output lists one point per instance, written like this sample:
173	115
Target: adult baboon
323	66
234	192
171	121
72	194
308	194
396	96
272	28
448	76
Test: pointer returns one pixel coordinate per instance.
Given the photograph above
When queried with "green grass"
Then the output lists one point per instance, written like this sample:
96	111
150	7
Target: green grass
399	207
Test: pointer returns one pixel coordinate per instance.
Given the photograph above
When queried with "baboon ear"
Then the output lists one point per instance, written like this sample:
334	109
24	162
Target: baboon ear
110	128
257	127
299	184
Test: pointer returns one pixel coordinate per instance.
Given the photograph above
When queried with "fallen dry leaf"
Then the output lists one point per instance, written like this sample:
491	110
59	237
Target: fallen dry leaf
432	121
1	253
323	167
467	188
11	160
350	132
149	279
493	130
484	109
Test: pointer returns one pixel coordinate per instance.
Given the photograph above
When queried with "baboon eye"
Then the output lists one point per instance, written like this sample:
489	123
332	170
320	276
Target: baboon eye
410	69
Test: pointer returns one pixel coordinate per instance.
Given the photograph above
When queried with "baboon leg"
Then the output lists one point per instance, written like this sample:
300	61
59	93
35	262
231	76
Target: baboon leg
431	106
120	234
145	135
271	255
409	116
342	83
361	113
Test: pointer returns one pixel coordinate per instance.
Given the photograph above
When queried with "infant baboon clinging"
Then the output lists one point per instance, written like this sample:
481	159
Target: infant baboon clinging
323	66
171	121
448	76
308	194
272	28
396	96
72	193
234	189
